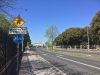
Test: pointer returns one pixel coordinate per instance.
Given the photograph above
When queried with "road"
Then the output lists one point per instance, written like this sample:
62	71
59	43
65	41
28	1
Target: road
71	65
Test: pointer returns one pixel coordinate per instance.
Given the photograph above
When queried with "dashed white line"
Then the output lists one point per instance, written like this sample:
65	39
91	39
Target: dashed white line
80	63
55	67
39	56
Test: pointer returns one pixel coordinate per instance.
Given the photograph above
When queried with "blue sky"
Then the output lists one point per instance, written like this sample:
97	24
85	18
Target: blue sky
63	13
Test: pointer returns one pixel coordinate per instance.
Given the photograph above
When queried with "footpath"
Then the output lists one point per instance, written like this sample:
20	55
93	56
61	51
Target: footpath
34	64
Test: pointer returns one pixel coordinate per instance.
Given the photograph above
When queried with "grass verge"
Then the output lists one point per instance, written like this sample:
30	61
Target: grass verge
75	54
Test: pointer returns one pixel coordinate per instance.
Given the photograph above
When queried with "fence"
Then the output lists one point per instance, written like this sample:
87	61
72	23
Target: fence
8	51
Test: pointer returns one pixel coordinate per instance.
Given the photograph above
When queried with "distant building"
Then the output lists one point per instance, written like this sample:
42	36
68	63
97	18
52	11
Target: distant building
38	44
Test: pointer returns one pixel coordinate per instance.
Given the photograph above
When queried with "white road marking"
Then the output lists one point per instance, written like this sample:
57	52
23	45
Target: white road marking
80	63
45	54
56	68
39	56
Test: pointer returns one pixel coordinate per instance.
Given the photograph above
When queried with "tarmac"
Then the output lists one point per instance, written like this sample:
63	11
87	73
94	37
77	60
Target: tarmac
33	64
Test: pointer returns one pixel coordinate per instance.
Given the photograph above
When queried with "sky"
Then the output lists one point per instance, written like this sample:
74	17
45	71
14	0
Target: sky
39	14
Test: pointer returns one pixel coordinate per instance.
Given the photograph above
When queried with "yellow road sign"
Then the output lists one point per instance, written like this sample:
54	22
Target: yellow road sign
18	21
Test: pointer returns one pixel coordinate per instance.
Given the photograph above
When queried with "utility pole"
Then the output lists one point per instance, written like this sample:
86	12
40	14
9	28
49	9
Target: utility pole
88	38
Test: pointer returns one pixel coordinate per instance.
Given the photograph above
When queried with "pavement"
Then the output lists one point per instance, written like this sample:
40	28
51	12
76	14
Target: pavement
33	64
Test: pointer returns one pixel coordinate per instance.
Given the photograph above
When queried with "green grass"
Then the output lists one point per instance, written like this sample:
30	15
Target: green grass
92	57
75	54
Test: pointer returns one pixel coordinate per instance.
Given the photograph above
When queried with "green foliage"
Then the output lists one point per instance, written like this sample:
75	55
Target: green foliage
4	23
27	39
96	19
95	28
59	40
72	36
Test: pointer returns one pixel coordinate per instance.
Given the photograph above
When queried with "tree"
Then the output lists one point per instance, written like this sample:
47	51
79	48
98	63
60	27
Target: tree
74	36
71	36
4	23
51	33
4	38
95	28
27	39
96	19
58	40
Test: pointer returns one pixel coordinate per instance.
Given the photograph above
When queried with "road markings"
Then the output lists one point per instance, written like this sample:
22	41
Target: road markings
80	63
42	59
55	67
60	56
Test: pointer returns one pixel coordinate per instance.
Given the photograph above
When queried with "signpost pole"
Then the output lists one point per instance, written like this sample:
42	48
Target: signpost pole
22	42
17	57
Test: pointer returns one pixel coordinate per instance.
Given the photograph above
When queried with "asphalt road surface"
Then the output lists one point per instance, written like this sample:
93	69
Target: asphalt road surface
71	65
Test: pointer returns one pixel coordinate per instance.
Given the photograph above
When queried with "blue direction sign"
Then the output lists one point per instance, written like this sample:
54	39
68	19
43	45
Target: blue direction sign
17	39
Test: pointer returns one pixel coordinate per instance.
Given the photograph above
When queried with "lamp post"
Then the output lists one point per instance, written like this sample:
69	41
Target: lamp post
88	39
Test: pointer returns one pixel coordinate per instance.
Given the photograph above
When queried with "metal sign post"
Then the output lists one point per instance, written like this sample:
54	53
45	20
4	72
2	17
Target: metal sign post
17	58
17	39
22	42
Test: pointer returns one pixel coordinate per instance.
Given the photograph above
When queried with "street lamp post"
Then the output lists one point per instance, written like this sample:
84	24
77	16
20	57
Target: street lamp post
88	39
